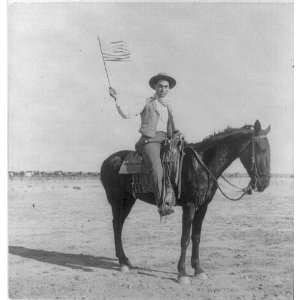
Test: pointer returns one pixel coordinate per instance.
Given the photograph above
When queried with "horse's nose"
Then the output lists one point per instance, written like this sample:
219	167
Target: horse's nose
260	188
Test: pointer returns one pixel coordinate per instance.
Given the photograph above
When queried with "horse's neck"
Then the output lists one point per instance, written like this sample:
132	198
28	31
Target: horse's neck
222	160
226	153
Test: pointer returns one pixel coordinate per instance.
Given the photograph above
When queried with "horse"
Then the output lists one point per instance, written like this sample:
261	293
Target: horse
215	153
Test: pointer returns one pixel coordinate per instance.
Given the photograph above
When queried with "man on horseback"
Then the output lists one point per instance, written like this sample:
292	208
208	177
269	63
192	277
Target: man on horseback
157	125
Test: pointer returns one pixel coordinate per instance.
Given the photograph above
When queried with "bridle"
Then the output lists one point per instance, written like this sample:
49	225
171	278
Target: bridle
252	185
253	168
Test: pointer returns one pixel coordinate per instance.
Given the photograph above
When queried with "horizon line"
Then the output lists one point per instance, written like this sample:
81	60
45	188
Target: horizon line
98	172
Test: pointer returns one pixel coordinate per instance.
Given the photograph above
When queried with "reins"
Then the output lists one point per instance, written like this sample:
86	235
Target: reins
245	190
230	183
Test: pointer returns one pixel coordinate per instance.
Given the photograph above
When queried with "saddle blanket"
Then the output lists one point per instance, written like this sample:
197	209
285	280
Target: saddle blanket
140	181
133	164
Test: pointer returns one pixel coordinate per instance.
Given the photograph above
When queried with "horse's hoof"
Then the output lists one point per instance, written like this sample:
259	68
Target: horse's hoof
184	280
201	276
124	269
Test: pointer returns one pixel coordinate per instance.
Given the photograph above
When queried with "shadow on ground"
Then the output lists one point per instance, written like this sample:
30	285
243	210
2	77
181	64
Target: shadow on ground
73	261
77	261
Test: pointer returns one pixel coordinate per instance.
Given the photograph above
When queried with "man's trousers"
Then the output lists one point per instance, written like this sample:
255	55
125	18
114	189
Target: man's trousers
151	156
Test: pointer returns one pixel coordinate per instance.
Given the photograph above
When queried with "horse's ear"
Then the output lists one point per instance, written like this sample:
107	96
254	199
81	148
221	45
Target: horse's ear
266	131
257	127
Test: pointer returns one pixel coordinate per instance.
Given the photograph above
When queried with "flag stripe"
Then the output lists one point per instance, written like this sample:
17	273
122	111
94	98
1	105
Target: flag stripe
116	56
120	49
116	51
112	55
117	59
118	42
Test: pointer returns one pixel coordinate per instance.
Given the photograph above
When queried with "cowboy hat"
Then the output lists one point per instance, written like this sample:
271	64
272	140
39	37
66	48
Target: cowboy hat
162	76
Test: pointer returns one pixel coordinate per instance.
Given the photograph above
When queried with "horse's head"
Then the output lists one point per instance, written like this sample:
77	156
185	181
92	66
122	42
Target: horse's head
255	157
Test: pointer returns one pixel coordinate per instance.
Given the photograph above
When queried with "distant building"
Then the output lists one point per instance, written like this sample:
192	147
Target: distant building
11	174
58	173
28	173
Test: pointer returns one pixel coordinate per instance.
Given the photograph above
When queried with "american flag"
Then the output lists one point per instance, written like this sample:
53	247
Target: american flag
116	51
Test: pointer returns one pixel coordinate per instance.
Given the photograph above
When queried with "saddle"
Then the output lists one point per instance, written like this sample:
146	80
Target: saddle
171	157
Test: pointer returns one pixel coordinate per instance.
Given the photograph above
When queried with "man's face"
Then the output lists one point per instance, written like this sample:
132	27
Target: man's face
162	88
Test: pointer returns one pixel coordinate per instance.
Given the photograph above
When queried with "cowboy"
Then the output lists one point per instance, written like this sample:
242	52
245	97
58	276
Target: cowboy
157	124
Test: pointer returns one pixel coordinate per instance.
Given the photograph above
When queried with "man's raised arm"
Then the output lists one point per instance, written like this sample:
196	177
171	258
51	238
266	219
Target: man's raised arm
124	115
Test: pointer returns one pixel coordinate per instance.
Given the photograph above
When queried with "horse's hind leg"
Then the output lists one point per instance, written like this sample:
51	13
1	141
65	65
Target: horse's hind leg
196	235
121	209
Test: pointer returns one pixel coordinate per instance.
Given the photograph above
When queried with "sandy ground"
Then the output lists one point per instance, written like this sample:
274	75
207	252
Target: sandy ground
61	246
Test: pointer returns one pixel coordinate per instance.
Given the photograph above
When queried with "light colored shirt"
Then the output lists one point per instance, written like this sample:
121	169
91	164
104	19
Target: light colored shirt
163	116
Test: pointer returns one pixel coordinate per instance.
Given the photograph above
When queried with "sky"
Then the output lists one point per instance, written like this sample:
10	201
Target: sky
233	64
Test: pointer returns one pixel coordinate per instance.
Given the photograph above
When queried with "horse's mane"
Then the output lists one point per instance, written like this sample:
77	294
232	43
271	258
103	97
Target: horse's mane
216	137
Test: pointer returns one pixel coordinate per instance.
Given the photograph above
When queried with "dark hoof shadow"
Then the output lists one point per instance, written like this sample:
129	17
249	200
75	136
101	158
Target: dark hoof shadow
74	261
171	279
155	273
156	276
153	270
147	274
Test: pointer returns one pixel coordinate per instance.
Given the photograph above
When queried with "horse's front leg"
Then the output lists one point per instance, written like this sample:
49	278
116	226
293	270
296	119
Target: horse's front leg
187	219
196	236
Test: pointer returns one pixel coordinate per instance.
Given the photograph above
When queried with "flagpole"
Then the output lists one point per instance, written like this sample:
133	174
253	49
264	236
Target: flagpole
104	62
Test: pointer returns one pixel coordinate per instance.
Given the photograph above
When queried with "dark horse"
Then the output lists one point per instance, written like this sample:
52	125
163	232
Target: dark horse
248	143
